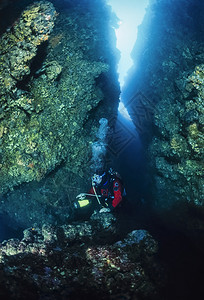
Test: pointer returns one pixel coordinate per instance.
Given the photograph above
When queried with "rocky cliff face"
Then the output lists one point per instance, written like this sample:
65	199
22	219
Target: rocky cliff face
57	80
165	96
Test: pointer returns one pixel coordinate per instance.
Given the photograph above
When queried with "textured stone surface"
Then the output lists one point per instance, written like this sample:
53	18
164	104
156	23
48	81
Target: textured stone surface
169	78
165	98
55	85
67	262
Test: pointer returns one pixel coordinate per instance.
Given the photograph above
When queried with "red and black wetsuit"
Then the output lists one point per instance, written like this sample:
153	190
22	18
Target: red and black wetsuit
110	190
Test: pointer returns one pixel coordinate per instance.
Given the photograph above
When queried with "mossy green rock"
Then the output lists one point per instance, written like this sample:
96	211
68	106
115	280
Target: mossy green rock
50	90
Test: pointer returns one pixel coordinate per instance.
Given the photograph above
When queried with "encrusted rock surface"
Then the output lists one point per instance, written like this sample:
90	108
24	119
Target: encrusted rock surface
19	45
57	80
165	95
69	262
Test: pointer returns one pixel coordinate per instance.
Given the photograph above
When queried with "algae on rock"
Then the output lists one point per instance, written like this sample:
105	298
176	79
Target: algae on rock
58	78
170	75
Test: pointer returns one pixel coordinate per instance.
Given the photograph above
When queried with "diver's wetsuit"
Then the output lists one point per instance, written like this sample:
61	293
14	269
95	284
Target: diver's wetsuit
110	190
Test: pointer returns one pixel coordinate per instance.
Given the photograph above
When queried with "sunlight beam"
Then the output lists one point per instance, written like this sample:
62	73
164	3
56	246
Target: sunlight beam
130	14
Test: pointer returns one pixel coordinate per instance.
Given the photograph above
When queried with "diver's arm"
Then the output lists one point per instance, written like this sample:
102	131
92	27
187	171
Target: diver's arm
117	190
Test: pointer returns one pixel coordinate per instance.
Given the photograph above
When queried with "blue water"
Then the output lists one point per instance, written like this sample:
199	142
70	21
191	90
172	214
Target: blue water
9	229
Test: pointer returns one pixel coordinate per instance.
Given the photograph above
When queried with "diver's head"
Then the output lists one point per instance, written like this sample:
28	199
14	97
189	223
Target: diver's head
97	178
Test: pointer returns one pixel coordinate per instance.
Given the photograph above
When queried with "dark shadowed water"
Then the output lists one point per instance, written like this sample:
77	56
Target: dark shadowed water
183	261
9	229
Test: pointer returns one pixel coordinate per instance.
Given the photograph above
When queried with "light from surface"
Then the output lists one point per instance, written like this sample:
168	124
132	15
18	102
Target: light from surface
130	14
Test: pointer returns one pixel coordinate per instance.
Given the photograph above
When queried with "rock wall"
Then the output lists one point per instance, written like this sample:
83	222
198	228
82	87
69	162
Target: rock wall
164	95
57	79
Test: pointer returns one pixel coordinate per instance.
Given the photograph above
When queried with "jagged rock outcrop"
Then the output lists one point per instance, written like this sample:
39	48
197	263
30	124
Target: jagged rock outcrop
75	261
55	85
165	96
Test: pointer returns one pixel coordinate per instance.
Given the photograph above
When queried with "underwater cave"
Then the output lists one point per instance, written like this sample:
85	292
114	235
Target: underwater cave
101	149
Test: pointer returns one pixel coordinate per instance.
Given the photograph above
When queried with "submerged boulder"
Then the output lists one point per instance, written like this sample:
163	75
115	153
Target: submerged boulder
69	262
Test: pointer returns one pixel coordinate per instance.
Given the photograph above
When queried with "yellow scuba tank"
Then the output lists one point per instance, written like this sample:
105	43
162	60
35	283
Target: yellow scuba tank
83	202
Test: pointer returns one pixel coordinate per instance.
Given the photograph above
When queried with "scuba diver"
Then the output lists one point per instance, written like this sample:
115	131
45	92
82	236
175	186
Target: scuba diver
107	190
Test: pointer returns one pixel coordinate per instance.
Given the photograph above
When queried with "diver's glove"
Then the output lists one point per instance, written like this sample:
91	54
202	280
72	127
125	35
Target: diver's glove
81	196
